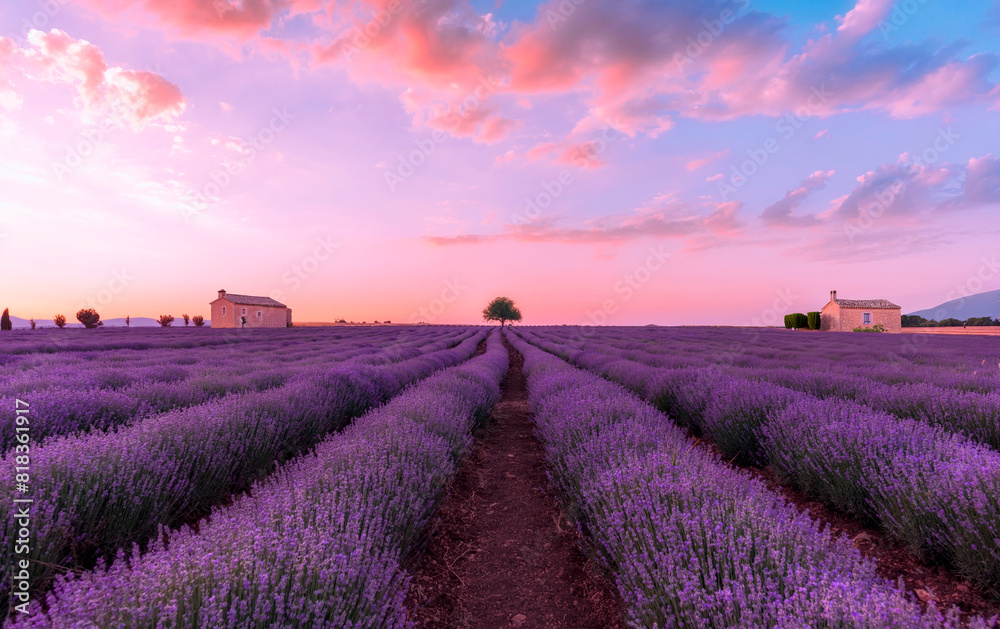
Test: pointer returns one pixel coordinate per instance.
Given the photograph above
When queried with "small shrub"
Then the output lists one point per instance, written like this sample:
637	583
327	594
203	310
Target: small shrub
89	318
198	321
128	322
815	320
877	328
32	322
186	319
59	320
165	320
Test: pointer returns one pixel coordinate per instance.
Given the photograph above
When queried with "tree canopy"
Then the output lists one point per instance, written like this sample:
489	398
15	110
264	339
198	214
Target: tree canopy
89	318
501	309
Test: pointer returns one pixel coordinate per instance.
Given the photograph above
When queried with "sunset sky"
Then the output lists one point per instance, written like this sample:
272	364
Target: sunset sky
627	162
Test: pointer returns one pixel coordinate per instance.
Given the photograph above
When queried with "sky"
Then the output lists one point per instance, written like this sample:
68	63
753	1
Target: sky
600	162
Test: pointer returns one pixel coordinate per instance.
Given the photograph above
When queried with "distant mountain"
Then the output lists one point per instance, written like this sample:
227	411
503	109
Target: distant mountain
136	322
981	305
18	322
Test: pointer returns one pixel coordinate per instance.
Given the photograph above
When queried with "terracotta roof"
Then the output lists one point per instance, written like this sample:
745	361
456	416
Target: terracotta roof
250	300
872	304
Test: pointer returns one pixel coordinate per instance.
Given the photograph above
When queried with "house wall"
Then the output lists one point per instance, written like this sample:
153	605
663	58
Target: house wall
219	321
829	318
271	316
851	318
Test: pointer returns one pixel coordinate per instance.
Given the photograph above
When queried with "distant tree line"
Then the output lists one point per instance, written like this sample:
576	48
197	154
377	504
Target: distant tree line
916	321
91	319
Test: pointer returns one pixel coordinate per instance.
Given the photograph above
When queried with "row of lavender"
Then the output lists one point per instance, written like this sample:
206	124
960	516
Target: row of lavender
99	492
908	388
968	364
690	541
72	393
121	369
318	544
107	339
937	491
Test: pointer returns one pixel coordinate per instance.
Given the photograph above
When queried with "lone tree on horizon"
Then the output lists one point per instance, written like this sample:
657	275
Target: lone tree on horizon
89	318
501	309
5	322
60	321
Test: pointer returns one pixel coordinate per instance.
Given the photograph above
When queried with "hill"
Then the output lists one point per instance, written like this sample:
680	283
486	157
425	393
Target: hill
980	305
119	322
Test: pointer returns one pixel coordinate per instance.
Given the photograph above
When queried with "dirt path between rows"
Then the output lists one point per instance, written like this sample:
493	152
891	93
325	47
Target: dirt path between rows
501	553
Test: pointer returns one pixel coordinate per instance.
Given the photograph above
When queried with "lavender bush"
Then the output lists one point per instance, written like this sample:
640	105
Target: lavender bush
690	541
99	492
927	486
318	544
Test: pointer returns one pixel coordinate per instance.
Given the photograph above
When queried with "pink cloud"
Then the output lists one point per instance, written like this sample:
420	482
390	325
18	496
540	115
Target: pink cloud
137	96
695	164
781	212
864	17
634	63
506	158
496	128
667	217
200	18
906	190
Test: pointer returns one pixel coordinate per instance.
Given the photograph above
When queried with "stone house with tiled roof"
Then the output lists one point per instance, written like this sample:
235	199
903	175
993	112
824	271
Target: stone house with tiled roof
844	315
248	311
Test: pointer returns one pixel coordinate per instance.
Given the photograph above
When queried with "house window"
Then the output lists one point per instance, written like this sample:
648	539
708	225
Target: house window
223	310
868	318
259	314
244	311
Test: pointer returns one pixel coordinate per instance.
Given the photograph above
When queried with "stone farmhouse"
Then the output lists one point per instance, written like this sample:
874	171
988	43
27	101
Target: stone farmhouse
844	315
248	311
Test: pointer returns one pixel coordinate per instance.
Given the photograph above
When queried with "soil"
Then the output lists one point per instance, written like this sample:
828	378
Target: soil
893	559
501	552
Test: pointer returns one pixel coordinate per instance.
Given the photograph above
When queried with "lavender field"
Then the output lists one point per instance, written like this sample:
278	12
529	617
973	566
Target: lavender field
898	433
292	477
